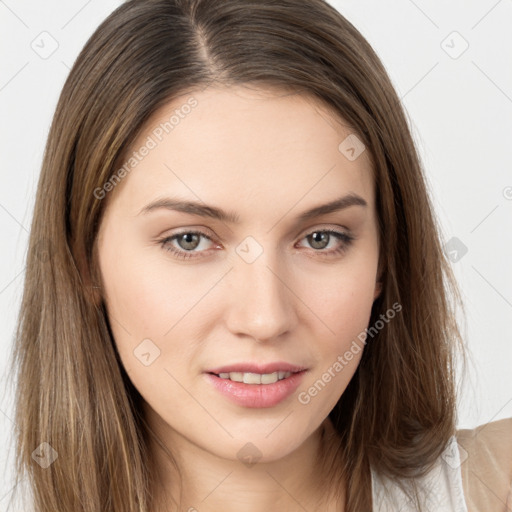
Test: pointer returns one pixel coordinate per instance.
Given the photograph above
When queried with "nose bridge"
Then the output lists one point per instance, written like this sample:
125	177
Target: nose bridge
260	303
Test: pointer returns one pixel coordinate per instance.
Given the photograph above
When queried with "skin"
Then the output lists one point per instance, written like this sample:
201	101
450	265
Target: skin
267	156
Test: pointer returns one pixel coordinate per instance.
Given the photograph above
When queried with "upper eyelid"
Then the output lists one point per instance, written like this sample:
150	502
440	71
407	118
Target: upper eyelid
307	232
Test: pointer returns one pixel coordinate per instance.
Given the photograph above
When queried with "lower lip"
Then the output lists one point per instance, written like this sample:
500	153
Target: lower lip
257	395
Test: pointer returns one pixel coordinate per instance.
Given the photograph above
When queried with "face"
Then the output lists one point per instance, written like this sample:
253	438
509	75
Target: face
243	285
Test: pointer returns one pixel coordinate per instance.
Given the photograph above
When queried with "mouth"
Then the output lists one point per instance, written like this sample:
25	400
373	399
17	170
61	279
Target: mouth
254	378
251	369
248	385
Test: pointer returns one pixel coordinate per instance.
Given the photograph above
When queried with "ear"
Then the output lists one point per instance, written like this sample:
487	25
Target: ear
378	281
378	289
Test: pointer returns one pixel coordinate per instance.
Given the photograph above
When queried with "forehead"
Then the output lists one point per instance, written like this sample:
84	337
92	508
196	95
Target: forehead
246	146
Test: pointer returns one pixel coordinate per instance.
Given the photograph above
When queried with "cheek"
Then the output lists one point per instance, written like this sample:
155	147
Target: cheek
344	309
148	298
148	318
146	292
342	302
343	306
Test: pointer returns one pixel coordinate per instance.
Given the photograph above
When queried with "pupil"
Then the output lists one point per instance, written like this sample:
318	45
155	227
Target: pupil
317	239
189	238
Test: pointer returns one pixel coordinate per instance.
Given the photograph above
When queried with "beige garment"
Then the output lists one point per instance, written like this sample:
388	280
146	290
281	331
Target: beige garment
486	457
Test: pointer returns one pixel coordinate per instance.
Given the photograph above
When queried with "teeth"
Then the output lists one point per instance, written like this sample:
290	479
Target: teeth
255	378
268	378
252	378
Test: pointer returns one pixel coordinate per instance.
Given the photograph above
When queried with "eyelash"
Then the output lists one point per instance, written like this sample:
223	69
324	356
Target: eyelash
182	254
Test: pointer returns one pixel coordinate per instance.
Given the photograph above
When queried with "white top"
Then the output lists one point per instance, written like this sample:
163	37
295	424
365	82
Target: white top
441	488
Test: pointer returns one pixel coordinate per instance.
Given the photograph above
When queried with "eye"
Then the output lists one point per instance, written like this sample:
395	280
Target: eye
321	238
188	244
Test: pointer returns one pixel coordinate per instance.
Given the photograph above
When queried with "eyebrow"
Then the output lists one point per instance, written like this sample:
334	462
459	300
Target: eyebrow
203	210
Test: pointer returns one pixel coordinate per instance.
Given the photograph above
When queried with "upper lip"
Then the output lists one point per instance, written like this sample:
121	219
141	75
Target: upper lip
277	366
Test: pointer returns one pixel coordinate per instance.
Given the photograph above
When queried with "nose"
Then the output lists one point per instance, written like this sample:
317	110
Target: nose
261	302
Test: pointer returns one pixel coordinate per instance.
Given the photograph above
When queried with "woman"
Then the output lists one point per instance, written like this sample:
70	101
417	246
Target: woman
246	304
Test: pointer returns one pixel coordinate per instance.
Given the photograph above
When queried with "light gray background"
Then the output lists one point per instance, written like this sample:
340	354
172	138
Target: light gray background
460	108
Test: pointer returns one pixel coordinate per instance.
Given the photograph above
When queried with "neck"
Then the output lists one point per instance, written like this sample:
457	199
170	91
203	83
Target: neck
199	481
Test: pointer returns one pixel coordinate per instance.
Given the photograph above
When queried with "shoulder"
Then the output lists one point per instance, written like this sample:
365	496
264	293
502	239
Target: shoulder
486	466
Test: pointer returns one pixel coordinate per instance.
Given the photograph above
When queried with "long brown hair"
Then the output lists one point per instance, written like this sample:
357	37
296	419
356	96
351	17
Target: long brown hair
399	409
